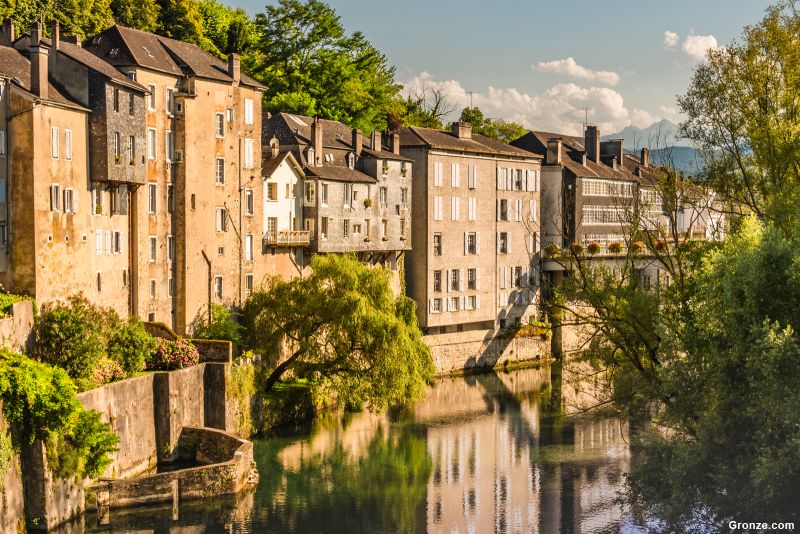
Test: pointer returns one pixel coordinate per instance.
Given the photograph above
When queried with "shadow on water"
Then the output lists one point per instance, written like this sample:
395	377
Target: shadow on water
481	453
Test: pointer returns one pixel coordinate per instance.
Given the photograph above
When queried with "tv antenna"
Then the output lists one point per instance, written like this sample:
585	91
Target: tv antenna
470	93
586	117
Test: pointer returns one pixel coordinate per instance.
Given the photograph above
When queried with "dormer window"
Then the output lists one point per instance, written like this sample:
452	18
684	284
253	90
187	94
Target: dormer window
329	157
351	160
114	52
310	157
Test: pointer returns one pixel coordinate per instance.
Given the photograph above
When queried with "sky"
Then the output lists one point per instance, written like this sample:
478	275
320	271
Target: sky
541	63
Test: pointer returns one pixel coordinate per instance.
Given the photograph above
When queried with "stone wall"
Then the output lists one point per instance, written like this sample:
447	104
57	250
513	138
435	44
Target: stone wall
11	504
15	330
482	349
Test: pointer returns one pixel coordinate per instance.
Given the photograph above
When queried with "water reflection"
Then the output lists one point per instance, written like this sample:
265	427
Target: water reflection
479	454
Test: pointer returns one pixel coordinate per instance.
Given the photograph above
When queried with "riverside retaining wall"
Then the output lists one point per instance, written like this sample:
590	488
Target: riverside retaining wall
11	504
483	349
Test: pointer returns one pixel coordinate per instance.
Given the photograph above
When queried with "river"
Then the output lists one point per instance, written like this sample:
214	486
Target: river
480	454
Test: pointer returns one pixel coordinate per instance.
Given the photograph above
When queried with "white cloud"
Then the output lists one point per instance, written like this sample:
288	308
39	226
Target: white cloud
569	67
696	46
670	39
558	109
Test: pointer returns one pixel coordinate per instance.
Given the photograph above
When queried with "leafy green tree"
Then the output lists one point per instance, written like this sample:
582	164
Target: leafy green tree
140	14
129	344
499	129
310	66
223	325
83	18
344	327
742	110
183	20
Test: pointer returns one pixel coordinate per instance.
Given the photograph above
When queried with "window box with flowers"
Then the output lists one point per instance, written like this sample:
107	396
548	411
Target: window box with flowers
615	247
636	247
593	248
576	248
552	250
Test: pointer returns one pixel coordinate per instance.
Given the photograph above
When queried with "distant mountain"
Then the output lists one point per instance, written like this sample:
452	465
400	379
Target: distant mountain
658	135
683	158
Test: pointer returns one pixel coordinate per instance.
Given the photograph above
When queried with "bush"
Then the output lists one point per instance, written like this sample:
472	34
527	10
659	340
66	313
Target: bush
130	345
223	326
593	248
107	370
171	355
7	300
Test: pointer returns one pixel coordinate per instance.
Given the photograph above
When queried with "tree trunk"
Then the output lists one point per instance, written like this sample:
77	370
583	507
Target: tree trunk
280	369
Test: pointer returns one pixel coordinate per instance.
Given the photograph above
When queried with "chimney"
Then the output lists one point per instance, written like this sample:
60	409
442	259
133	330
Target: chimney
316	140
376	140
74	39
234	67
8	32
39	84
462	130
358	141
592	143
613	149
645	161
55	34
553	156
394	141
275	147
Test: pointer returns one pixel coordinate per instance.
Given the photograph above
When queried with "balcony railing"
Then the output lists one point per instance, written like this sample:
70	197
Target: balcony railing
288	238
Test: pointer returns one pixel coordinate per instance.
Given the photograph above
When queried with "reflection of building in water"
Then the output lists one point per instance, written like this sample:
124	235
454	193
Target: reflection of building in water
499	466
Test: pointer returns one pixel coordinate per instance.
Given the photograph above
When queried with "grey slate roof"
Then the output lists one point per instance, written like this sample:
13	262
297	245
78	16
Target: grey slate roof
17	67
443	139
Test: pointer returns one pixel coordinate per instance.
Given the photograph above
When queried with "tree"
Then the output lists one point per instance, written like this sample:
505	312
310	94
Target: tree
742	110
310	66
140	14
428	108
498	129
343	327
83	18
230	30
182	20
223	324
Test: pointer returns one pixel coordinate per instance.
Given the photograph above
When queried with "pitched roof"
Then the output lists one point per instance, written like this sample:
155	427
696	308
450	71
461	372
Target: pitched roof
86	58
479	144
17	67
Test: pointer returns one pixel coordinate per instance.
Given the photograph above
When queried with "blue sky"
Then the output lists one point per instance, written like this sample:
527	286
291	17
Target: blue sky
541	62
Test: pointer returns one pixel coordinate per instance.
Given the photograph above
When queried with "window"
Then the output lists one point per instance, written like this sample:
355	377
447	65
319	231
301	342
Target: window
170	248
99	281
472	209
153	288
151	198
152	248
248	284
116	99
518	282
472	302
455	175
229	113
384	229
131	104
518	180
345	228
367	228
502	242
402	227
170	100
453	304
324	194
472	279
248	248
117	147
113	194
272	225
248	111
323	228
219	124
404	196
383	196
170	198
218	287
54	141
602	215
272	191
222	220
69	201
249	202
170	146
455	280
116	245
437	208
3	191
108	242
219	171
357	228
68	143
502	210
437	174
436	305
3	234
455	208
151	101
437	281
248	153
220	251
607	188
131	149
98	199
309	192
470	243
151	143
437	244
55	197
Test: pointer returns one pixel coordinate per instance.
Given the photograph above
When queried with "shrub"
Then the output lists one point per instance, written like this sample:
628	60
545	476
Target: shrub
615	247
130	345
223	325
171	355
7	300
107	370
593	248
576	248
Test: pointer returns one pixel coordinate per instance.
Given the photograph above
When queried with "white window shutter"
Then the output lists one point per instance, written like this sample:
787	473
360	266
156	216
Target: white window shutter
498	209
75	196
449	280
430	305
538	183
477	278
508	243
463	303
465	244
461	280
477	301
497	241
477	242
498	178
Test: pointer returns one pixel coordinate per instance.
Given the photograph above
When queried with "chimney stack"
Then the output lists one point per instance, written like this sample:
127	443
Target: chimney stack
55	34
234	67
74	39
39	53
645	161
316	141
592	143
8	32
376	140
394	141
553	156
358	141
462	130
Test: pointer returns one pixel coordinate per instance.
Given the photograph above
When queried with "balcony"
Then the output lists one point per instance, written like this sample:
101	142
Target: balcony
288	238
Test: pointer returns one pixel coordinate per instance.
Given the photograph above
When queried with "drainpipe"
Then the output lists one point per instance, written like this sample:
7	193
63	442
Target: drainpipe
241	221
208	263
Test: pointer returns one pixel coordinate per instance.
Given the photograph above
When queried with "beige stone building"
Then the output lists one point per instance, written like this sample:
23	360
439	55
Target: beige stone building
475	255
197	227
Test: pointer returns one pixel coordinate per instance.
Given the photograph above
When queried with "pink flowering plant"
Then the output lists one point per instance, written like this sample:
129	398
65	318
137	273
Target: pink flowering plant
107	370
170	355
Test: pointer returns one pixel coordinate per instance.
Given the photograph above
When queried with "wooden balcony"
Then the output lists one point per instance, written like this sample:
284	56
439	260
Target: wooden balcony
287	238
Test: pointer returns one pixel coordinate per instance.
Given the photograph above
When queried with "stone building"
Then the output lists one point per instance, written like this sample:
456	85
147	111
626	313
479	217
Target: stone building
356	197
196	222
474	260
